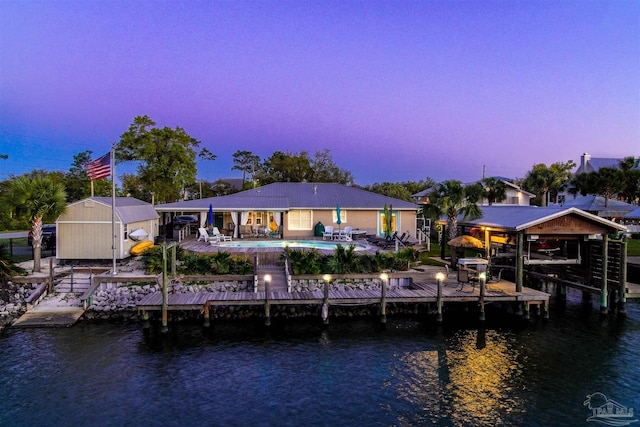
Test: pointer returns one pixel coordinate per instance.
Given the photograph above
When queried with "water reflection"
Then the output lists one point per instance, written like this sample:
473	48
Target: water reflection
475	380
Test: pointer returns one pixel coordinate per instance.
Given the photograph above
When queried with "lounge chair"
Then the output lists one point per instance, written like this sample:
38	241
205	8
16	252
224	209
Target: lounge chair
202	234
344	234
216	234
405	240
392	242
328	232
382	242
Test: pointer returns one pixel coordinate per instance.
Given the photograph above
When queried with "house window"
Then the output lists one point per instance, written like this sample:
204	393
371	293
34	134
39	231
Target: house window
125	229
343	216
300	220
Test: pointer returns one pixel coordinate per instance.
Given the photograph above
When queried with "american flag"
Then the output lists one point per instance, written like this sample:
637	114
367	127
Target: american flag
99	168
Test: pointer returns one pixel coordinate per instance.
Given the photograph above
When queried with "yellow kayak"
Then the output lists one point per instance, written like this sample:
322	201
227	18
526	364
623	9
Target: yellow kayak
141	247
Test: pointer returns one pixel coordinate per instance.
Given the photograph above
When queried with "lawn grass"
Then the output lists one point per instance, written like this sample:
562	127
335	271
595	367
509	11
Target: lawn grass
633	247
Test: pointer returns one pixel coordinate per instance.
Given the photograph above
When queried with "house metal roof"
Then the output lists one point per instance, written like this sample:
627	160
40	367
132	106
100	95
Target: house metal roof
517	218
595	204
634	214
283	196
128	209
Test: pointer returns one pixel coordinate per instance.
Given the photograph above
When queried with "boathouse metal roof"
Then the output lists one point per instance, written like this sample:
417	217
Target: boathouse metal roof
284	196
517	218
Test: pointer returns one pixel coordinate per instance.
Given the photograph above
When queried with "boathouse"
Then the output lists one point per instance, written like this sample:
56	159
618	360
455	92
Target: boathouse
568	246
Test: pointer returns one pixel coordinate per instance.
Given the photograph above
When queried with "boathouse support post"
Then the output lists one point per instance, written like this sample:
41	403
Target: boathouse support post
325	303
383	297
545	309
519	261
604	295
439	278
267	303
173	263
527	310
622	302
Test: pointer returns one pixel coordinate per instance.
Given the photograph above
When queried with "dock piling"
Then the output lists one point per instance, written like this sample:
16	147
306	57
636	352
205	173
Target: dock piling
207	321
383	298
439	278
325	304
483	279
267	303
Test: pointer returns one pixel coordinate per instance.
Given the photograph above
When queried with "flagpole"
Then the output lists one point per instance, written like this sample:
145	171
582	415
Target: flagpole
113	207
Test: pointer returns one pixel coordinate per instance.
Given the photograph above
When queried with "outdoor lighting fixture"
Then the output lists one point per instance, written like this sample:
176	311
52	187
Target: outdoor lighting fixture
440	277
483	276
384	276
267	278
326	277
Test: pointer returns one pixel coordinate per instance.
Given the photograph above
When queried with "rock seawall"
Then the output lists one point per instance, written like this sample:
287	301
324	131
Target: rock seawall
12	302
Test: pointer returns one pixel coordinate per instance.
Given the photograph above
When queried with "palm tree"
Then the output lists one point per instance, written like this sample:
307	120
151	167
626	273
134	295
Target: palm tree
630	168
38	198
451	199
546	182
495	190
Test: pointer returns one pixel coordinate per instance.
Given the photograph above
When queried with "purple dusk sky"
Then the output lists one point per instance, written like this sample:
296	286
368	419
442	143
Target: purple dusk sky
397	90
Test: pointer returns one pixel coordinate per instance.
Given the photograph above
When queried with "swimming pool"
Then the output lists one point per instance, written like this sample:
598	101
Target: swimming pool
293	244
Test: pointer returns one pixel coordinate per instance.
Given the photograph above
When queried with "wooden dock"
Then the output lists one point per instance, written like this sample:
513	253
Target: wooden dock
503	292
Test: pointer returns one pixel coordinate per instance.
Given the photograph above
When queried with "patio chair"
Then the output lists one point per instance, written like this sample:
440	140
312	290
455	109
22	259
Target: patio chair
202	234
219	236
465	277
328	232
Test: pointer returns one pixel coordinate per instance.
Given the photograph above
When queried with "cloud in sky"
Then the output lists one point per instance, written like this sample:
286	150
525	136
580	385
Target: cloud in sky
396	90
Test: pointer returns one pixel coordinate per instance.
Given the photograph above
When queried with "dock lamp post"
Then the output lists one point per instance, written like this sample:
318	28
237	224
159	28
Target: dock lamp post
439	279
267	304
483	281
383	297
325	305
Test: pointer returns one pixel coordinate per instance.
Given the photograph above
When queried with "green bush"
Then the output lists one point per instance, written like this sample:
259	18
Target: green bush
345	260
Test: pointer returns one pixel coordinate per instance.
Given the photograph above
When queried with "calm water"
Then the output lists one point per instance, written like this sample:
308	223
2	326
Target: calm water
512	372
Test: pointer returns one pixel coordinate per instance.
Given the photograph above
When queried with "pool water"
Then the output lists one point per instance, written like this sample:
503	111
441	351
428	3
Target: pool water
293	244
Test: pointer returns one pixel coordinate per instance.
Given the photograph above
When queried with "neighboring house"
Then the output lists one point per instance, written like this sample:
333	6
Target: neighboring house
514	196
632	221
615	209
422	197
593	164
588	164
85	229
295	208
235	183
